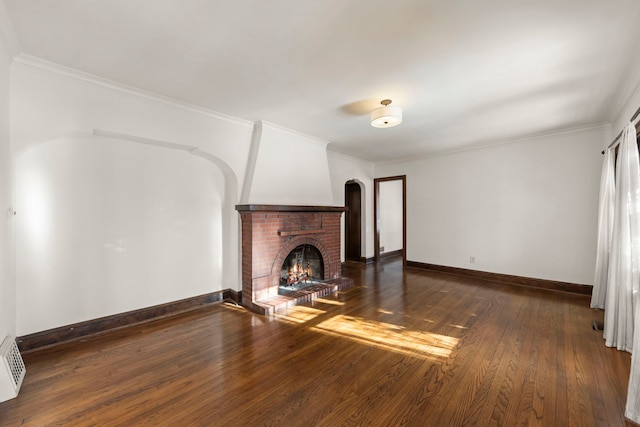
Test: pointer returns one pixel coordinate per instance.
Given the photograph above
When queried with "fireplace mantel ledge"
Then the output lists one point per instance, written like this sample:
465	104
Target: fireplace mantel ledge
288	208
300	232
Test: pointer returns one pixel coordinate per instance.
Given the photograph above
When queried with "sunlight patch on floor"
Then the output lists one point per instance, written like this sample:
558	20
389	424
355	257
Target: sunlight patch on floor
328	301
389	336
457	326
299	314
233	306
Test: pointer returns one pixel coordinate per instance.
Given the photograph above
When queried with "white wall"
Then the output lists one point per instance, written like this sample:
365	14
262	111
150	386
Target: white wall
527	208
53	109
49	101
290	168
345	168
390	215
7	228
87	150
108	226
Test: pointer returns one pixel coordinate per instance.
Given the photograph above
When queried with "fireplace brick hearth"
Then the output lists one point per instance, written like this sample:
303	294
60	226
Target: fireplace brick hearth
269	234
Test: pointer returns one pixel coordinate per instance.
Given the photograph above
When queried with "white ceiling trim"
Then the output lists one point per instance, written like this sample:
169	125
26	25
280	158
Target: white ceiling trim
265	124
8	32
626	98
531	138
36	62
350	158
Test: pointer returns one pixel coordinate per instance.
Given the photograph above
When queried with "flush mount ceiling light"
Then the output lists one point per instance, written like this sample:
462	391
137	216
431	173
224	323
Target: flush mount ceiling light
386	116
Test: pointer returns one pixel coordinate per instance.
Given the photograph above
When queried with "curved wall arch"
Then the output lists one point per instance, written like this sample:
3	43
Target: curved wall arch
343	169
363	219
364	204
108	226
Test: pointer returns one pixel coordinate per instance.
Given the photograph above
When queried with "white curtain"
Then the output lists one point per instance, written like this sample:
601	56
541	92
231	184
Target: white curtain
632	287
605	229
632	410
624	263
620	293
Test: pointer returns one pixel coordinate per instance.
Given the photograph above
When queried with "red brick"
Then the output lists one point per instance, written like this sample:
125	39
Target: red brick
264	251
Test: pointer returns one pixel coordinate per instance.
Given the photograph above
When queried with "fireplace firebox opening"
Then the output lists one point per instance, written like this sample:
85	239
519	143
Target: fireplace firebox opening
302	267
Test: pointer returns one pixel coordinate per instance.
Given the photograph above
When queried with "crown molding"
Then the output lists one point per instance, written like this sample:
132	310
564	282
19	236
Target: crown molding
349	158
35	62
530	138
263	124
629	85
7	32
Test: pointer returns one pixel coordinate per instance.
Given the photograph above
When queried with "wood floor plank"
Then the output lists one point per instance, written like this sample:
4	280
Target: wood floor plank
399	348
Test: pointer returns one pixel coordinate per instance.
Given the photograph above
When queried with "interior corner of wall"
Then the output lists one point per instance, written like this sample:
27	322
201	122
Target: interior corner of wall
8	34
256	137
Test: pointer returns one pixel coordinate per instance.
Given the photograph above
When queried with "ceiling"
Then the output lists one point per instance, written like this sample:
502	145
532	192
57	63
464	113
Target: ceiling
466	73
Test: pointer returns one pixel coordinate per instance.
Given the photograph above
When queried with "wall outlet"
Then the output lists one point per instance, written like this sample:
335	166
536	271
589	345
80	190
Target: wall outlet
381	248
472	259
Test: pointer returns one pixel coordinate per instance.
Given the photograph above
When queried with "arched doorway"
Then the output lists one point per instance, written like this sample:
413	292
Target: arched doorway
353	221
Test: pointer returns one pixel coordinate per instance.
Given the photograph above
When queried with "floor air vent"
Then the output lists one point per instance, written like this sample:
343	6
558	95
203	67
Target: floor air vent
12	369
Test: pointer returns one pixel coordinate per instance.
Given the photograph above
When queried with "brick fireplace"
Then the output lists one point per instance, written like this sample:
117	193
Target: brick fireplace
270	233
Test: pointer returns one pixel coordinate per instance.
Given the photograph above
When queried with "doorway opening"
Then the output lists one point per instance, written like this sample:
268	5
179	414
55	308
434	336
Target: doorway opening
390	217
353	221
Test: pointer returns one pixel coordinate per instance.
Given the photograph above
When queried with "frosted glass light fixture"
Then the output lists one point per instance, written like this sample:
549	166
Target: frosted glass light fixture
386	116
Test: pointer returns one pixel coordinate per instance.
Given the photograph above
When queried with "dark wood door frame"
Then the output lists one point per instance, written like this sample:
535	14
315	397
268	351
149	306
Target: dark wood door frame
376	214
353	221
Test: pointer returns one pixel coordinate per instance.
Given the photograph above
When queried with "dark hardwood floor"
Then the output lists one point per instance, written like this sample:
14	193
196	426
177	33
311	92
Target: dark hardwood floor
412	347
